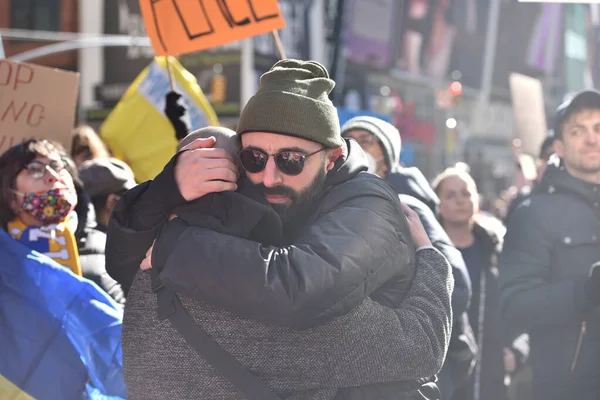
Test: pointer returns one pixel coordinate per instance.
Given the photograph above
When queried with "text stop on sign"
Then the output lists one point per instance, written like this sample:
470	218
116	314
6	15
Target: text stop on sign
36	102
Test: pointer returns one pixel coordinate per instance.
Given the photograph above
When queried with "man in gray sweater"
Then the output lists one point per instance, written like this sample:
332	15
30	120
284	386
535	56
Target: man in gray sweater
331	308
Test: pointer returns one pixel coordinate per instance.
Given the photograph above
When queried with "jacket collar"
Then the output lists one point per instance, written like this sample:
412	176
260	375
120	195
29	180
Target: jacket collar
557	180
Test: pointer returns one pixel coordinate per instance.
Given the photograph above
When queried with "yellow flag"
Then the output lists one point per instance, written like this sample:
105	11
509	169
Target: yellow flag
137	130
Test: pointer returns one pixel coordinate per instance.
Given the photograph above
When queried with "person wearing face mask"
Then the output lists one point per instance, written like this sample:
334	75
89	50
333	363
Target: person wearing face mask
382	141
60	333
38	199
382	145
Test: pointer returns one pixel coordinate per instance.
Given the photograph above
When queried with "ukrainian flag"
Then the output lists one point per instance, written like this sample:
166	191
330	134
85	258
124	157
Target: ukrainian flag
60	335
137	130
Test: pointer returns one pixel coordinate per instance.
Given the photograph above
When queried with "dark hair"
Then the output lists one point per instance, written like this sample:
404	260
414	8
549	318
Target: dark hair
12	163
584	101
99	203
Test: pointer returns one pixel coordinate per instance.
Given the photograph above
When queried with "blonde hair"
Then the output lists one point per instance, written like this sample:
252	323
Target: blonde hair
86	140
450	172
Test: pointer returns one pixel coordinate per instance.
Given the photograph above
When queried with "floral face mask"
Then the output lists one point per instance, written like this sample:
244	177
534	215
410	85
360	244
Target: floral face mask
49	207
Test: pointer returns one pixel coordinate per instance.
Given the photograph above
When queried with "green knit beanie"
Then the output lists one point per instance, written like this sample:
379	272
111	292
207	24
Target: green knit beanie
293	100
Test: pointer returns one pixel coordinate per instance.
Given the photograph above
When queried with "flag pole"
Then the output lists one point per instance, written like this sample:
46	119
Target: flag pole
170	74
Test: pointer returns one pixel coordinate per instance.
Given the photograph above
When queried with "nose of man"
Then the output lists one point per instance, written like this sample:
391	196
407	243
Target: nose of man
271	175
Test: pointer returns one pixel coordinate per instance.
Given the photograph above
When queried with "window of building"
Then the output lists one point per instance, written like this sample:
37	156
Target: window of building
43	15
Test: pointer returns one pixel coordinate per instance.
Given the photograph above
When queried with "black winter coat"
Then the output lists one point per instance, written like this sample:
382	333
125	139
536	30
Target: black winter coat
412	182
492	337
553	238
91	244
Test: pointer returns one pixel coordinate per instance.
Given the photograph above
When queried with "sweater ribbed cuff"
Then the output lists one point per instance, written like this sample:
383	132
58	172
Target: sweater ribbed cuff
430	247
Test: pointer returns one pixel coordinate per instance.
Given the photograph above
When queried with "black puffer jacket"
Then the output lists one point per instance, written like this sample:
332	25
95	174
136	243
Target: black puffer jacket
350	246
355	234
553	238
91	244
411	181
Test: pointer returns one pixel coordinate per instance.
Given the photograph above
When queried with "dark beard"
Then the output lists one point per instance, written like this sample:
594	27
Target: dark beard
301	202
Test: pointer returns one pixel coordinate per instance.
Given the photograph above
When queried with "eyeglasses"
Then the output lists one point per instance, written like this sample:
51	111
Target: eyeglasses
37	169
365	141
288	162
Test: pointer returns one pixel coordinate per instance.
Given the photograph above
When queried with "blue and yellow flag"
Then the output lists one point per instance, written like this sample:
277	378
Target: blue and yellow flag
60	335
137	130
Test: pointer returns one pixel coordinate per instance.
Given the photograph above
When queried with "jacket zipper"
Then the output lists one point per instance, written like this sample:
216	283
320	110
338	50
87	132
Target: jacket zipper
582	333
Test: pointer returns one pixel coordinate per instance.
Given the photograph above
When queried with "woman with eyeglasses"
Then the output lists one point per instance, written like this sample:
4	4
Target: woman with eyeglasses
59	334
39	196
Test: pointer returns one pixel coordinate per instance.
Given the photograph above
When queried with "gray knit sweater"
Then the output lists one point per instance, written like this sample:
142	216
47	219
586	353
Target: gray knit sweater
371	344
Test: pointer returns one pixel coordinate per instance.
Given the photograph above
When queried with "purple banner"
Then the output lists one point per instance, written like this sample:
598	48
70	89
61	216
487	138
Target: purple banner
370	29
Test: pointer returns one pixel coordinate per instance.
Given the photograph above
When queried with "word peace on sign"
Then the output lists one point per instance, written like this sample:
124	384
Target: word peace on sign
182	26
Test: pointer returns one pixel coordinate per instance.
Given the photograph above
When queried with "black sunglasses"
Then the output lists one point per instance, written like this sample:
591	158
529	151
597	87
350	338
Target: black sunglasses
288	162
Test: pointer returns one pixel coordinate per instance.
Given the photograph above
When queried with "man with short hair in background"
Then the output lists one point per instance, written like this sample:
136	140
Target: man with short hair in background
548	287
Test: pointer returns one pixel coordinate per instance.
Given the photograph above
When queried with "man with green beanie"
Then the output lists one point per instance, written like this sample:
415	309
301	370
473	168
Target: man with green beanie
332	308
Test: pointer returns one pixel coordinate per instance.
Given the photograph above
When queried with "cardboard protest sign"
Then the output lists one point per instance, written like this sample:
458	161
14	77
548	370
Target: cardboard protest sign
36	102
530	114
182	26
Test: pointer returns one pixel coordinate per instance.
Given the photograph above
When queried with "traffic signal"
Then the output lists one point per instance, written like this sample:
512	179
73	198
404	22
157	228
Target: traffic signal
450	96
455	88
218	89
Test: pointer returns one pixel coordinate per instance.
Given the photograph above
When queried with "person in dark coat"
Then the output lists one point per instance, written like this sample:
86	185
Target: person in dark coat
382	144
547	285
479	239
300	314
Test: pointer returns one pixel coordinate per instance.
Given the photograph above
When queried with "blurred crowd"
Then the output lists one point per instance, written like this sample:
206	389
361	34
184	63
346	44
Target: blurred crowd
523	263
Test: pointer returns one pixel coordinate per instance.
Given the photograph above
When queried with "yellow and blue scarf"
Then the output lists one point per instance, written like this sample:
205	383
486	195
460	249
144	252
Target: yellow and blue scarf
56	241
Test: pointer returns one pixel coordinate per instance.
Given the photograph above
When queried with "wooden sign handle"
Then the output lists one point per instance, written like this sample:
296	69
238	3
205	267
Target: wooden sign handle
279	45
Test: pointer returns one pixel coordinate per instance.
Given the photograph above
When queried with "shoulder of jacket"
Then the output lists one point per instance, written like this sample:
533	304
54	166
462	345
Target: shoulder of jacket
539	210
490	229
366	184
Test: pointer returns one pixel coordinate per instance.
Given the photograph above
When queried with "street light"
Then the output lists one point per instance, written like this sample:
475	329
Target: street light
451	123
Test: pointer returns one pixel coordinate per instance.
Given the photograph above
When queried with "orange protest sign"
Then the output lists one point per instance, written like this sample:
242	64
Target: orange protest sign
185	26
